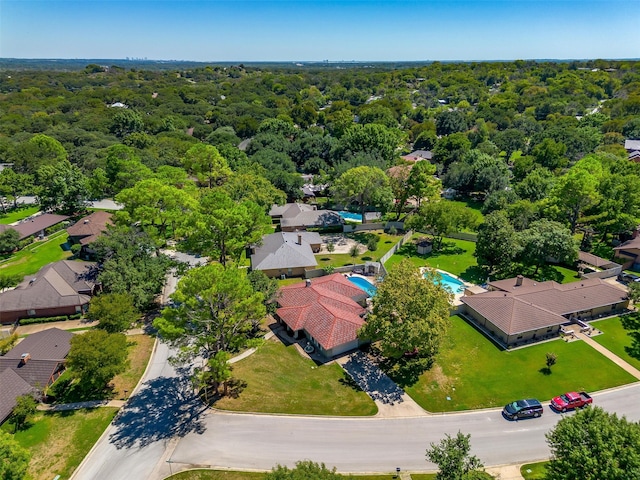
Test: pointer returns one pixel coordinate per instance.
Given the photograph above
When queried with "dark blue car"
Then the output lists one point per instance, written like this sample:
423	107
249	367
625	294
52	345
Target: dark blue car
523	409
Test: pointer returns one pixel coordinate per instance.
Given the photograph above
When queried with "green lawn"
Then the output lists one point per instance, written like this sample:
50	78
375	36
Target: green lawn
224	475
14	215
277	379
533	471
474	373
32	258
385	244
59	441
455	256
615	338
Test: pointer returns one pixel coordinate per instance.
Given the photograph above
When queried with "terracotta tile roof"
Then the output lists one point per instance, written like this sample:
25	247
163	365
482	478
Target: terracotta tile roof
325	309
538	305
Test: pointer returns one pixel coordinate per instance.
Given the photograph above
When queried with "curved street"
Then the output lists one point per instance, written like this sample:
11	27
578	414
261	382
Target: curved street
163	429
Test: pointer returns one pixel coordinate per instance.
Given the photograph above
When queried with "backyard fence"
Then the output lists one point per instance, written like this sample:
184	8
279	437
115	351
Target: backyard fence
610	272
396	247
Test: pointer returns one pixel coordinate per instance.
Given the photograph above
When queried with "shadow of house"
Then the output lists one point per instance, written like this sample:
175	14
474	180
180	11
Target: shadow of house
329	311
86	230
60	288
520	310
31	366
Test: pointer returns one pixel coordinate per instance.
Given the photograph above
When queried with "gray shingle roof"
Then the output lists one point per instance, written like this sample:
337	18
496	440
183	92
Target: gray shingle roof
12	386
632	145
313	218
281	250
36	224
289	210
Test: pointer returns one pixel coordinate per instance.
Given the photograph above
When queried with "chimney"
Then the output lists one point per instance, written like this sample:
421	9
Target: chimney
519	279
299	239
307	282
24	358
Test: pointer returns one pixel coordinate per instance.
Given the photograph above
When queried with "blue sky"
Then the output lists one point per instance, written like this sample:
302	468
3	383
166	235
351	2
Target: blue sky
263	30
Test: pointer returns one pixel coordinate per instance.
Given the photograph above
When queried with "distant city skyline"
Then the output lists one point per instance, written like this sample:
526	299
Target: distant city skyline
310	30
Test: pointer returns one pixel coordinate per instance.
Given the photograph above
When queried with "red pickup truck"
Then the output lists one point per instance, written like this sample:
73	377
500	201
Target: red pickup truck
570	400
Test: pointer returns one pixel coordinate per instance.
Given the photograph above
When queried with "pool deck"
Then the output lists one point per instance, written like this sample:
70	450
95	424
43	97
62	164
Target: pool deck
457	296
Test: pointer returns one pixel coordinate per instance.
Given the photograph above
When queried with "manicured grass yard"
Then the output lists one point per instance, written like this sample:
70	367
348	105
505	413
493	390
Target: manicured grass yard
533	471
32	258
59	441
342	259
139	354
615	338
18	214
455	256
475	373
223	475
279	380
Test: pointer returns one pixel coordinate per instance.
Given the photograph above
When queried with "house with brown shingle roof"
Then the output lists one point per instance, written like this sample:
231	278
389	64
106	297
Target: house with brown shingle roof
35	225
519	310
32	365
86	230
328	310
630	252
60	288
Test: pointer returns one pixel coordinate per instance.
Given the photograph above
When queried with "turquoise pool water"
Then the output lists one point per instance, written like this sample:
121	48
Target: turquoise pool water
354	217
364	285
450	283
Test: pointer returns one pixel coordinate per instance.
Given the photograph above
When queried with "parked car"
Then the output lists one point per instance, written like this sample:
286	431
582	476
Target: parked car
628	277
523	409
571	400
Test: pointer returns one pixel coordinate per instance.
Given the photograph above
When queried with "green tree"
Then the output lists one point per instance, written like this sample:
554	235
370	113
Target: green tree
96	357
497	246
268	287
373	139
14	184
442	218
546	239
130	265
550	154
62	187
453	458
157	206
255	188
26	407
423	185
123	168
9	240
594	445
217	311
304	470
38	151
451	148
223	228
634	292
550	359
126	122
207	164
365	186
217	372
451	121
409	315
115	312
575	192
14	459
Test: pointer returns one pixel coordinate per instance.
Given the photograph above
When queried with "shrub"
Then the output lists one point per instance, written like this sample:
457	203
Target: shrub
329	269
31	321
372	243
7	343
354	252
330	247
393	230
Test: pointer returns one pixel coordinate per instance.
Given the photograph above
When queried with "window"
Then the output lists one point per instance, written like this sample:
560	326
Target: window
519	337
78	309
31	312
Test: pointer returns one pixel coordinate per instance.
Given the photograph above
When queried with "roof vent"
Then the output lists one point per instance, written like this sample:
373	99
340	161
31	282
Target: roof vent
519	280
307	282
86	221
24	358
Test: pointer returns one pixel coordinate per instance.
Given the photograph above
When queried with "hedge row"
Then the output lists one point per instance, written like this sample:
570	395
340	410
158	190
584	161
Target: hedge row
59	318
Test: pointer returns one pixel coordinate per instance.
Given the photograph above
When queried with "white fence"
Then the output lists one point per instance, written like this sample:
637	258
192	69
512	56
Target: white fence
610	272
396	247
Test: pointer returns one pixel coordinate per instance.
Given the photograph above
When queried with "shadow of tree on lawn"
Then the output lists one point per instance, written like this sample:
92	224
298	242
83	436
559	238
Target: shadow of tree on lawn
165	407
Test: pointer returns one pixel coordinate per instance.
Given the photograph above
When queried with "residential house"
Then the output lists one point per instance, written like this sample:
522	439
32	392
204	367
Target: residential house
31	366
288	254
86	230
60	288
418	155
300	216
328	310
35	225
630	252
633	149
519	310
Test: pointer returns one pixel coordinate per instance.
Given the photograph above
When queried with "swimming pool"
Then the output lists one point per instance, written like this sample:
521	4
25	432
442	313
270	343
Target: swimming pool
364	285
449	282
352	217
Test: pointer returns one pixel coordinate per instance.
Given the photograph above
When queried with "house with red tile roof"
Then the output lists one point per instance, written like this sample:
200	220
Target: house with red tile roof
519	310
328	310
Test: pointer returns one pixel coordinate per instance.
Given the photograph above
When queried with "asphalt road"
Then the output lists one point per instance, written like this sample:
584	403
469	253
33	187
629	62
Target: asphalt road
375	445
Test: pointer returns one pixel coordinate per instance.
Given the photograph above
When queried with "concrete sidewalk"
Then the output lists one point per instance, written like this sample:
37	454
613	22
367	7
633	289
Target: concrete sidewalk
609	354
79	405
